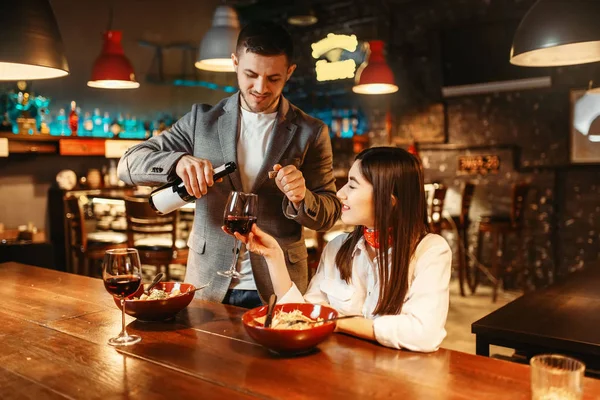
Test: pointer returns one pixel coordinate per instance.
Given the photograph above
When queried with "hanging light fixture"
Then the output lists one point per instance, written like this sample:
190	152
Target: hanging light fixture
112	69
31	46
558	32
220	41
376	76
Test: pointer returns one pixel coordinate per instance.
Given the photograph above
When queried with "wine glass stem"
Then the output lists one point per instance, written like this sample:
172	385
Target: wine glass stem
236	253
123	330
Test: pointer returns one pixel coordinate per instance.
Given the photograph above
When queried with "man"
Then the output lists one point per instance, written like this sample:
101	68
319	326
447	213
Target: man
261	131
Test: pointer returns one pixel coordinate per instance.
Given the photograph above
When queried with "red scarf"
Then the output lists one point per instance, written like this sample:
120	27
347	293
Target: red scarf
371	236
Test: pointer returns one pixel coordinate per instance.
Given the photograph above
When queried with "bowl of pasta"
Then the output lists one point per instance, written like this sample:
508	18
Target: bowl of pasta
295	328
163	302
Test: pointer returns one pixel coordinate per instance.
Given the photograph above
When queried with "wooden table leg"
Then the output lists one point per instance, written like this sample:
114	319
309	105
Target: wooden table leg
482	346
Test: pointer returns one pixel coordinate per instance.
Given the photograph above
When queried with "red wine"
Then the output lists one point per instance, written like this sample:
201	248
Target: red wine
242	225
123	286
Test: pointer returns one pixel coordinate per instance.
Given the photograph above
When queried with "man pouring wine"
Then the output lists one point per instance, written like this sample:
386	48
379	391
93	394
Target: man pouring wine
259	130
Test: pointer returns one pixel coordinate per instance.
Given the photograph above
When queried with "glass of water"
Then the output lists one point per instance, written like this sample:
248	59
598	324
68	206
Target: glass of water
556	377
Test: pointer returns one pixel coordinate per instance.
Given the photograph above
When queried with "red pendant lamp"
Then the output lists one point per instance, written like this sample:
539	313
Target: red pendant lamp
112	69
376	76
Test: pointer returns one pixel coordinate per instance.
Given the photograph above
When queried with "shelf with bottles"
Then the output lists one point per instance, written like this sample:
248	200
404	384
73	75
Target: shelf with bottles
25	113
342	122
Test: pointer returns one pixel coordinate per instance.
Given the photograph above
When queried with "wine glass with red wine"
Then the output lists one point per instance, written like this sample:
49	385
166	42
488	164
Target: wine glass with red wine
240	215
122	275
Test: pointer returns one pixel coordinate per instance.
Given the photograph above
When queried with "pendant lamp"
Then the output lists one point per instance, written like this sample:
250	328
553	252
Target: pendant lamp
376	76
112	69
558	32
220	41
31	46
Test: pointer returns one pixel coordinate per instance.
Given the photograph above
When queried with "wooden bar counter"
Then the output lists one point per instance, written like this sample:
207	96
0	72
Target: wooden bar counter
55	326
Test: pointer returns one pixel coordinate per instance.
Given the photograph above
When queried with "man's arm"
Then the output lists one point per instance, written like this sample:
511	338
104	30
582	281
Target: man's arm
320	208
153	161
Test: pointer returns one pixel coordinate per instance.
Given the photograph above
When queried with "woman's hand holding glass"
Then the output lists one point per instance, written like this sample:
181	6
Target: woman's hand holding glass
259	242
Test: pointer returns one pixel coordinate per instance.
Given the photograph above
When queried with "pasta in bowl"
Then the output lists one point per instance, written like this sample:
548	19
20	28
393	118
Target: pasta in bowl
295	327
163	302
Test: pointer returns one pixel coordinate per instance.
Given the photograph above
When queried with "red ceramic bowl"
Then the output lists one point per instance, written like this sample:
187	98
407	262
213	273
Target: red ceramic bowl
157	310
288	340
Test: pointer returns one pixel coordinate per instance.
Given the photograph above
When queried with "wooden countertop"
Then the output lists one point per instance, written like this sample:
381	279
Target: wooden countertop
55	327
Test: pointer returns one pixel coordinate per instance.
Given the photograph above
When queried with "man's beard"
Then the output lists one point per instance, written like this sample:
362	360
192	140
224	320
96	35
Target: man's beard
255	109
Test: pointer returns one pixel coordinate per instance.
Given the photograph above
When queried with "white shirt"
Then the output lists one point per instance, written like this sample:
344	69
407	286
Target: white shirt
255	133
420	324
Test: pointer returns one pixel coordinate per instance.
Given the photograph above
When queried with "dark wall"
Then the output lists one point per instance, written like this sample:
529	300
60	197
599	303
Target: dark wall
563	223
562	215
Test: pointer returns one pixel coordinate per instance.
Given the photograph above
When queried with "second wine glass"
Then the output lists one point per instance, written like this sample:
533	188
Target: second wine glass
240	215
122	275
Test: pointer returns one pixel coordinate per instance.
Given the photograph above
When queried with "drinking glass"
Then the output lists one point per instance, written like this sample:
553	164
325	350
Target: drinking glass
121	272
239	216
556	377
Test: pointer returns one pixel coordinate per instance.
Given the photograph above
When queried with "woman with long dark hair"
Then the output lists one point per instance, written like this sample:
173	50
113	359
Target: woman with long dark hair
389	269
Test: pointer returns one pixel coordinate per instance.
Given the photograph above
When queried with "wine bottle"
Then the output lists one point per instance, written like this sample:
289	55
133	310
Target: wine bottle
173	195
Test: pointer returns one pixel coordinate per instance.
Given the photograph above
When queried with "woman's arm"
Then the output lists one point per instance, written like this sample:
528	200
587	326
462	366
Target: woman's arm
261	243
420	325
359	327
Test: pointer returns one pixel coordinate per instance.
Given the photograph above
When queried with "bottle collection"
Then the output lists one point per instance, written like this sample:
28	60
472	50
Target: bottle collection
27	113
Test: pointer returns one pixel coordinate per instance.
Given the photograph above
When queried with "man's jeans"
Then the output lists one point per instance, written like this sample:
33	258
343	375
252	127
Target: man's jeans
242	298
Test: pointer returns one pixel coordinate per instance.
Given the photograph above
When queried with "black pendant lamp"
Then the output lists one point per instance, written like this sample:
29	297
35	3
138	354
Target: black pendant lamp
30	42
558	32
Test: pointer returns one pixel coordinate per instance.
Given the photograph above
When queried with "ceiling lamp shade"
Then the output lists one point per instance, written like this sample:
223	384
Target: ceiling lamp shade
31	45
556	33
112	70
219	42
376	77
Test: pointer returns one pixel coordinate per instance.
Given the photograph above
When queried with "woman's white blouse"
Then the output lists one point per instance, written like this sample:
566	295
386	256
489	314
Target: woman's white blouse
420	324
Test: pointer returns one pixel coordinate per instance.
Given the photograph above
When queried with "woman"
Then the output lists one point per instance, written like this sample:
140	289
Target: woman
389	269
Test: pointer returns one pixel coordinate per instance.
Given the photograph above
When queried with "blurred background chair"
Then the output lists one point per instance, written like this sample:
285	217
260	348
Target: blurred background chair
155	236
436	207
460	224
85	249
499	227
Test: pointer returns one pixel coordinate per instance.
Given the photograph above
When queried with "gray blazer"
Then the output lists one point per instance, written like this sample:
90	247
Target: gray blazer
211	132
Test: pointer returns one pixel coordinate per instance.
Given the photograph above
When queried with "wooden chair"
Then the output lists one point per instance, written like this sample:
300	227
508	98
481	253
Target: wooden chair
436	207
460	223
499	226
87	247
155	236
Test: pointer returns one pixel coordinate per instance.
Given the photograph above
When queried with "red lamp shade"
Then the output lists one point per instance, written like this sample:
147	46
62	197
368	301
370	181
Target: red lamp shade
112	70
375	77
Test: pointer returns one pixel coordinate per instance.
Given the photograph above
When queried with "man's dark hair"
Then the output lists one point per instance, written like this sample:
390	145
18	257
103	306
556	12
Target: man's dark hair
267	39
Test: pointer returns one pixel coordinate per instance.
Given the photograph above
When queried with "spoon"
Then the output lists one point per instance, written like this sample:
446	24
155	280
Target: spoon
157	279
325	320
269	319
198	288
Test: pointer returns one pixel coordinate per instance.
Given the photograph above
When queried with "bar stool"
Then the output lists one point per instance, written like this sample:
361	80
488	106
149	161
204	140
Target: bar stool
87	247
155	236
436	208
460	224
499	227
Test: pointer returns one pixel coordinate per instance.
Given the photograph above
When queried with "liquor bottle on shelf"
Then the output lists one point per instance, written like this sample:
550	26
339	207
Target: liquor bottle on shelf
73	119
88	124
63	125
98	129
336	129
106	125
346	128
354	122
